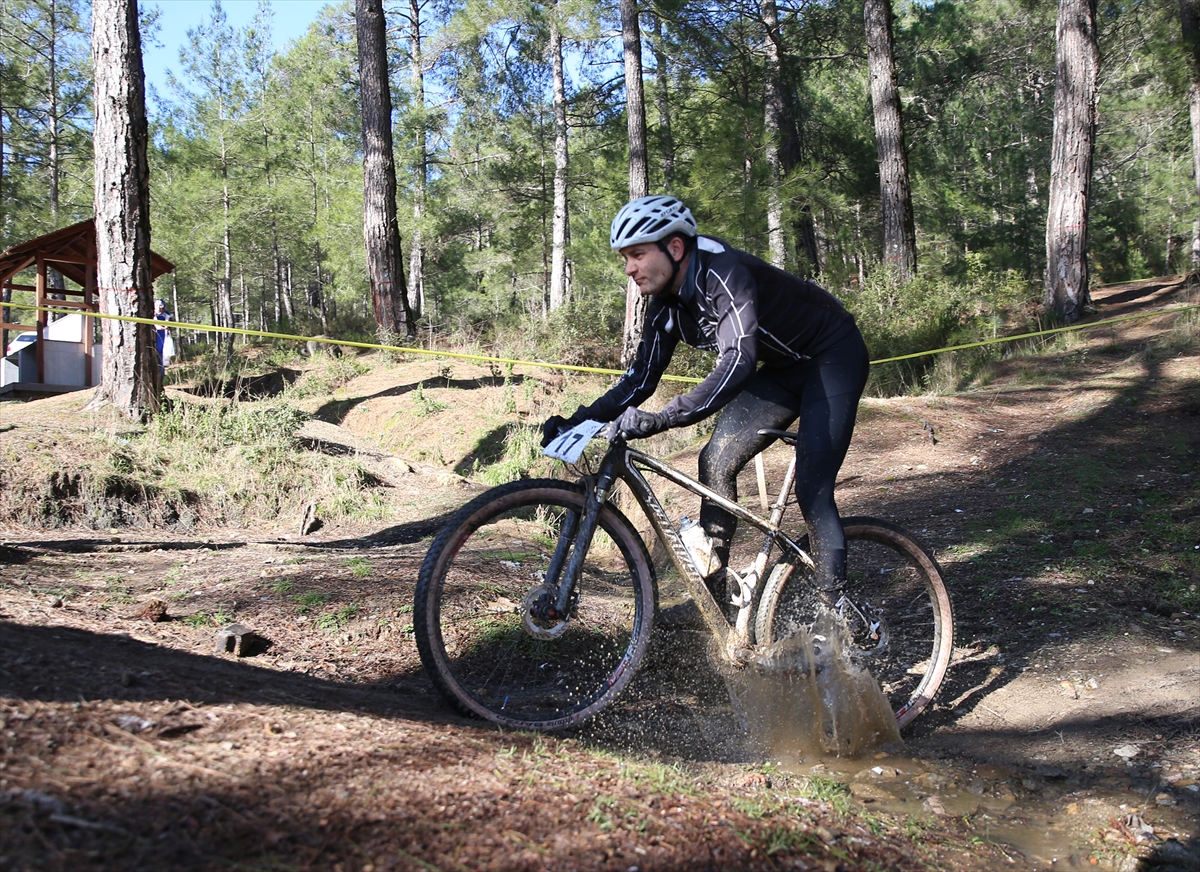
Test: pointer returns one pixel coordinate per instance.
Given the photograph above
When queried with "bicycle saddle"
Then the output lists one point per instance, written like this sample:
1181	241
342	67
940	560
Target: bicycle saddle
788	436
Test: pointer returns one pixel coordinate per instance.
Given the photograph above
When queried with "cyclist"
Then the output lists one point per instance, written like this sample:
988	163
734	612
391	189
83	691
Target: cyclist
813	367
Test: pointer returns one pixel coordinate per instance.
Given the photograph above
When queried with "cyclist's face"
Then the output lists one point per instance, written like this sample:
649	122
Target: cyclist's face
649	267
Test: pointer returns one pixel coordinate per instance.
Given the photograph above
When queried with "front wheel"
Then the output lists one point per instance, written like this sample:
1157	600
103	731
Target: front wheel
895	606
481	633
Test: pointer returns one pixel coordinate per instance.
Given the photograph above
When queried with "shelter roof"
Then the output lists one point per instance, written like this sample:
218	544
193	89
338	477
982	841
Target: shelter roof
70	250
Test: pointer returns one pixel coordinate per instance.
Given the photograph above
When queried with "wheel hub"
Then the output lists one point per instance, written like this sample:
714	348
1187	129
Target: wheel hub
539	616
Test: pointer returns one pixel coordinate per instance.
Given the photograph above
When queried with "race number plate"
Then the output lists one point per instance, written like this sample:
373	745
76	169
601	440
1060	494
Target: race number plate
569	444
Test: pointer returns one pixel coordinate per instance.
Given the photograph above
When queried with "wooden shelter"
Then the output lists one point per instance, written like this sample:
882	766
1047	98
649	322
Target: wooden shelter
72	252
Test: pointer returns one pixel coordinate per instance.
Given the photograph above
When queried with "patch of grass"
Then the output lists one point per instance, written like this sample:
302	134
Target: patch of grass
282	585
426	405
214	426
325	376
198	620
757	807
117	592
306	602
663	778
784	838
360	567
337	620
522	453
827	790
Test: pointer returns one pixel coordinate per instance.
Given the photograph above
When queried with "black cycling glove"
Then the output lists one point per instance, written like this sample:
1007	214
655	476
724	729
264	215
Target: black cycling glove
636	424
554	425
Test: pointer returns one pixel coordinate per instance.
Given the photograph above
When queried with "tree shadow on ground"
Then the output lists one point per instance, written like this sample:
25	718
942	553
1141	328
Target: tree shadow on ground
335	411
487	451
63	664
254	387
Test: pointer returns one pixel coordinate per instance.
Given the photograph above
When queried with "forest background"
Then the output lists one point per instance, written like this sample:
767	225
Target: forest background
257	168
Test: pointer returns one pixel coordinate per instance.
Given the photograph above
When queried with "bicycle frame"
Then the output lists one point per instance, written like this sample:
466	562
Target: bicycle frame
626	464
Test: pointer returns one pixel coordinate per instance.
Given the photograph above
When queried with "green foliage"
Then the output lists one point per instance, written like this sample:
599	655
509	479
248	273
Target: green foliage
325	376
256	169
338	619
522	453
426	405
220	425
828	790
930	313
360	567
308	601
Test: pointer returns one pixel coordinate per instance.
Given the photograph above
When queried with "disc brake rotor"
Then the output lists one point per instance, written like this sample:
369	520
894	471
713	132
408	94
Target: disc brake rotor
534	616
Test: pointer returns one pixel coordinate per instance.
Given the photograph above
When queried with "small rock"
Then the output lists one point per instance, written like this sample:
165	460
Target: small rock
134	724
235	638
1138	828
1126	752
934	805
155	611
865	792
1164	799
1176	854
55	603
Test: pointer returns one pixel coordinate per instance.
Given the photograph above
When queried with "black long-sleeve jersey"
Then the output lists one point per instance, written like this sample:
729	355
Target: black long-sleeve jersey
739	306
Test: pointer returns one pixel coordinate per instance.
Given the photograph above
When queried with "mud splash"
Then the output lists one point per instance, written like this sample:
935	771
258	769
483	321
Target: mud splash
805	697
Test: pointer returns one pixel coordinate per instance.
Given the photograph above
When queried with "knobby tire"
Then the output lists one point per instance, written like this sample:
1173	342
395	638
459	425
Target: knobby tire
470	612
891	578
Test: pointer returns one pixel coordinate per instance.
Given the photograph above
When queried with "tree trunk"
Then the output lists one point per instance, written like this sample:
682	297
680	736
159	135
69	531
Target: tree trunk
54	278
131	379
561	232
381	233
1189	15
639	174
899	236
662	101
225	288
416	257
773	134
1078	58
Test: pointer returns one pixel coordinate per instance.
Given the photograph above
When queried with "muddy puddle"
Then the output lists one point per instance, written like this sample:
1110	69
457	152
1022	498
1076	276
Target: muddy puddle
824	717
1043	816
1045	812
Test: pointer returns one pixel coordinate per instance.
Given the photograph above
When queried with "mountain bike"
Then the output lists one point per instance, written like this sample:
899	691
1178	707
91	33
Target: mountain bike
535	603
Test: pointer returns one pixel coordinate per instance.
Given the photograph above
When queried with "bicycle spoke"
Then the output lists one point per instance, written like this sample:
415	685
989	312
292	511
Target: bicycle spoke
486	643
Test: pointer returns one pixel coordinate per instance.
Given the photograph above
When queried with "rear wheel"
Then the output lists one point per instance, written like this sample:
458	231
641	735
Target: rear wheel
895	606
480	631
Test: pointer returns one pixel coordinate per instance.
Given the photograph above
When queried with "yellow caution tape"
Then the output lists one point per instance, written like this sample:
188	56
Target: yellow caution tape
456	355
1073	327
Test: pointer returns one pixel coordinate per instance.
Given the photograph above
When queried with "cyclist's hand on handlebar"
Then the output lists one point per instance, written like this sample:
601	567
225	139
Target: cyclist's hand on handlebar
554	425
636	424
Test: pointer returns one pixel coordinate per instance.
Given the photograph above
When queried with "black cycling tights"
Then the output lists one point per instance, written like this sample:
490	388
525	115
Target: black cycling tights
823	393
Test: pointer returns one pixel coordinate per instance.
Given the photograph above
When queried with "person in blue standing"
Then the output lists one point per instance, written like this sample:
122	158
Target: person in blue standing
786	349
162	335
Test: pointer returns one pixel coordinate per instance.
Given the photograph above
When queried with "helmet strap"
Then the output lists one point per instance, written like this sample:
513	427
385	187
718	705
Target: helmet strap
675	264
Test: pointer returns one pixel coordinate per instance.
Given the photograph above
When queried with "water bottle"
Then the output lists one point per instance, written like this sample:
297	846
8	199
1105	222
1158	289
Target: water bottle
699	546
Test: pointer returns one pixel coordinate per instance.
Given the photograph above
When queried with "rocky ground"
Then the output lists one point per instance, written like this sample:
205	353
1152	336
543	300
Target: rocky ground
1059	493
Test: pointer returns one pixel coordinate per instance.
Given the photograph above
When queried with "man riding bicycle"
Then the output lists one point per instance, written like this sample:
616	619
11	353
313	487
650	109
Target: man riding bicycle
714	297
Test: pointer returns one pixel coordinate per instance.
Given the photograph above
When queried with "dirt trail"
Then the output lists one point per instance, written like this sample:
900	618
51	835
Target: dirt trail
1057	497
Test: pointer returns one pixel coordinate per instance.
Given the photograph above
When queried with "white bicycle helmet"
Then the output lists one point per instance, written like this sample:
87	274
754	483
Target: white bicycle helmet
650	219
